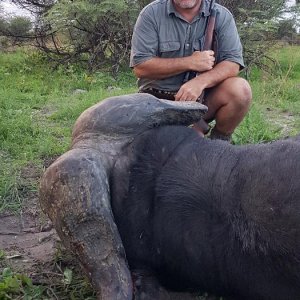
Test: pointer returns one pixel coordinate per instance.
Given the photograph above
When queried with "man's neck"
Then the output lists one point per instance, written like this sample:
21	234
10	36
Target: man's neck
188	13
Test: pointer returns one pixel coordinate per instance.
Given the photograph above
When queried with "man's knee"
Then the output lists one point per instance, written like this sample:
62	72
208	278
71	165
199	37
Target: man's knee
238	92
229	101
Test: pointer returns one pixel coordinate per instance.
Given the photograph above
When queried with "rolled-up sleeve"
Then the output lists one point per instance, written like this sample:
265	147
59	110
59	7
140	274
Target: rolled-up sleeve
229	44
144	44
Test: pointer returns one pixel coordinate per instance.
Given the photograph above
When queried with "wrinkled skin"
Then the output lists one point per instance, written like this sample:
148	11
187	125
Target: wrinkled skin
193	214
205	215
75	190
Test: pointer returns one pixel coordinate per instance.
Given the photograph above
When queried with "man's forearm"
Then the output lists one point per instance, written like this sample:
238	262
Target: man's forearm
192	89
160	68
219	73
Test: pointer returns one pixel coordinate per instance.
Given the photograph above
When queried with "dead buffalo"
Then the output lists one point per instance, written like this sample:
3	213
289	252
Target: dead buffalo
192	213
75	189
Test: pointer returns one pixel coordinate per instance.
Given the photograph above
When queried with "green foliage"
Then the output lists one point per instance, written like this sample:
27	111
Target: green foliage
261	9
68	285
257	25
19	26
13	285
286	28
102	30
14	30
38	108
98	32
68	276
10	198
257	36
3	24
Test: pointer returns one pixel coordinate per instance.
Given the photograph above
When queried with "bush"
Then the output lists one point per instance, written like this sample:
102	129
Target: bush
98	33
16	29
19	26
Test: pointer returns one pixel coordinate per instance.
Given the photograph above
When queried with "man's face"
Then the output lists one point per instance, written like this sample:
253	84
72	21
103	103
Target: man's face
186	3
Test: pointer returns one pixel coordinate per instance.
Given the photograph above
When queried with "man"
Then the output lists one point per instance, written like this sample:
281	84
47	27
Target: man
167	44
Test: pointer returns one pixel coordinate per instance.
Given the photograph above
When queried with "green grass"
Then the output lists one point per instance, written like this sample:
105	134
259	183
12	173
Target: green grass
18	286
64	284
255	128
275	96
38	107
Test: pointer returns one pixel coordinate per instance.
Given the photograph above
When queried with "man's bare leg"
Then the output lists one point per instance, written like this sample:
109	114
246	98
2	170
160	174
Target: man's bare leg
228	104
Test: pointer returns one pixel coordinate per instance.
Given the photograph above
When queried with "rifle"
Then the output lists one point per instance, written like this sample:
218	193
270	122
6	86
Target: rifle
209	28
208	41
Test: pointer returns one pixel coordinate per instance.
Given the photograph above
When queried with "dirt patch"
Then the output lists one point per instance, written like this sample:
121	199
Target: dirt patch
27	237
47	161
26	241
284	121
29	245
31	172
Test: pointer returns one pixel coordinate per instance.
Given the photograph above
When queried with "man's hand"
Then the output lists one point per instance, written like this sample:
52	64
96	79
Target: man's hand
191	90
201	61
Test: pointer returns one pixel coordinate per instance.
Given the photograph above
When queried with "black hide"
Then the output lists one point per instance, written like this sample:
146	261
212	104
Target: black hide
206	215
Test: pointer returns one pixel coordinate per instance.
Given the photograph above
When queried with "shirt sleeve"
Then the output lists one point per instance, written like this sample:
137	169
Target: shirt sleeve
228	41
144	44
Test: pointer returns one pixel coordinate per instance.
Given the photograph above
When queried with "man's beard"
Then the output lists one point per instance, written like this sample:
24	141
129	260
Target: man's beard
186	3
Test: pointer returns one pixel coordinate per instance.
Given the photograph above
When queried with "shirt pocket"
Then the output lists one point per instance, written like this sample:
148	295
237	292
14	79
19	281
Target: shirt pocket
169	49
198	44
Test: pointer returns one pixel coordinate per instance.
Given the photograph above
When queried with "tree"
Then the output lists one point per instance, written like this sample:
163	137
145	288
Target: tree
19	26
3	25
286	29
242	10
96	32
256	22
15	29
35	6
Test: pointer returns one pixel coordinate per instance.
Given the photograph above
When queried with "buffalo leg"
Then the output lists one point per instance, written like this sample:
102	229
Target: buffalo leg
74	192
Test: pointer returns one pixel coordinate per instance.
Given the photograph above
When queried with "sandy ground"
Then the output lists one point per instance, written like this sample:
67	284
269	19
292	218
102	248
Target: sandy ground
27	242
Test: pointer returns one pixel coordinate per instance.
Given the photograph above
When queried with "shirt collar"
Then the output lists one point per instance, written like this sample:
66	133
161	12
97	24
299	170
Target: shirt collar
170	7
204	9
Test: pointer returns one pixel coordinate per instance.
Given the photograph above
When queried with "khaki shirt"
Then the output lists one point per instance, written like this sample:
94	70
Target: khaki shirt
160	31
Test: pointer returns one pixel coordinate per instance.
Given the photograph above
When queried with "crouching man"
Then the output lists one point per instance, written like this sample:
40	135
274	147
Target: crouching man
168	47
